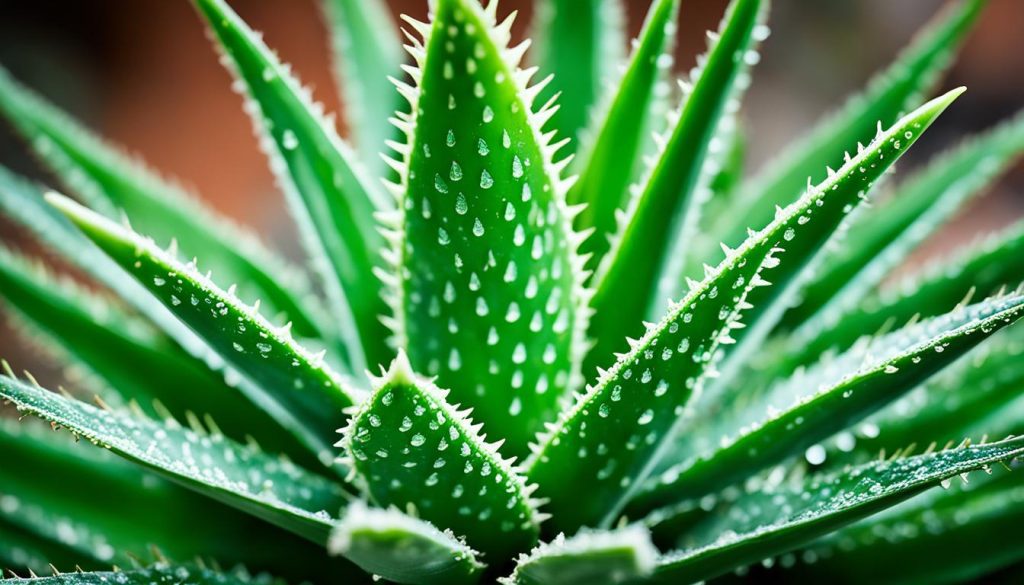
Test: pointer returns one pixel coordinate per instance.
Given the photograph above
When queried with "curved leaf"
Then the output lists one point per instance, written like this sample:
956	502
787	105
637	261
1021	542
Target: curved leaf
628	275
402	549
328	193
112	183
410	448
294	386
820	505
485	273
609	158
270	488
797	413
620	556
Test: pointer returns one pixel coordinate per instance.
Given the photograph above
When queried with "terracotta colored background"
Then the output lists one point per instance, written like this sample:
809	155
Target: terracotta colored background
143	73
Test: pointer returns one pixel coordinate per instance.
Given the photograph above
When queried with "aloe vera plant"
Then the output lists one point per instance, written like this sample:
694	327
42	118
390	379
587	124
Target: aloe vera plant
487	327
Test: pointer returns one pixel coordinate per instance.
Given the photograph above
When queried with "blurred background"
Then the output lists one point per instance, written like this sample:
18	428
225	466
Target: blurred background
143	73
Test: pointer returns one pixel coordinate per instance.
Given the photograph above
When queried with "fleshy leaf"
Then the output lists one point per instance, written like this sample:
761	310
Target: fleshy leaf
302	393
890	93
882	237
271	488
162	573
628	275
112	183
328	192
581	44
797	413
745	534
608	160
21	552
626	555
619	429
411	449
486	284
403	549
108	511
366	51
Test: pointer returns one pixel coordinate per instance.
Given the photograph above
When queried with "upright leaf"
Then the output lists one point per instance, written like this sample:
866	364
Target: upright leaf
411	449
746	533
403	549
628	275
797	413
112	183
626	555
271	488
366	51
328	192
608	159
581	44
882	237
486	285
303	394
886	97
621	427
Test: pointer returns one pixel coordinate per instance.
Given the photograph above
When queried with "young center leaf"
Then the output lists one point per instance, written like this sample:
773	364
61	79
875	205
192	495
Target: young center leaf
621	426
810	407
271	488
403	549
486	285
409	448
752	530
328	192
299	391
112	183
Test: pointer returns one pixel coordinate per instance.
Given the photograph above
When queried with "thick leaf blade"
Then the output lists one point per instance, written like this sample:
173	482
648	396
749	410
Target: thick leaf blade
329	194
162	573
267	487
882	237
403	549
297	389
610	157
485	272
797	413
745	535
626	555
890	93
629	273
366	51
112	183
647	396
410	448
581	44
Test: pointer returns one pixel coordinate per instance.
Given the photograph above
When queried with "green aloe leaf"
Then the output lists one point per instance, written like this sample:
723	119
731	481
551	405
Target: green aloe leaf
366	52
608	161
981	269
161	573
134	362
486	284
581	44
887	96
21	552
938	537
329	194
98	509
754	529
410	448
302	393
882	237
619	556
112	183
630	272
271	488
796	413
403	549
648	395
